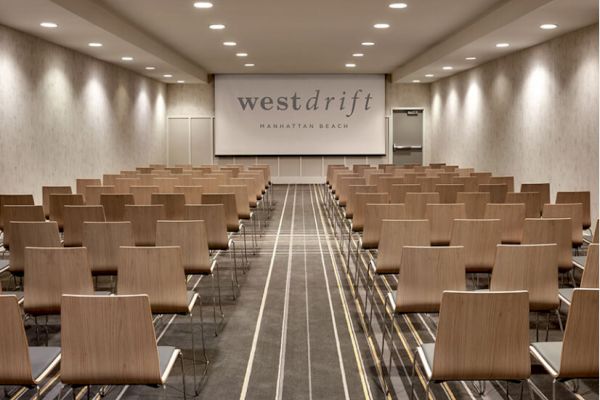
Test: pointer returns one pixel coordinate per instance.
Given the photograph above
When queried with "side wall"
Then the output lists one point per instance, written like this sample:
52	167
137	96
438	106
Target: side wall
65	115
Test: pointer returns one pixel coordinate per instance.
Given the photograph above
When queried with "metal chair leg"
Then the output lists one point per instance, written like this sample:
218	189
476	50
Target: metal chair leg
412	376
560	324
182	377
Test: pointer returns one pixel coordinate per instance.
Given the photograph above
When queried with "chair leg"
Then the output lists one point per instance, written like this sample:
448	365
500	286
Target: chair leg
182	377
547	325
234	282
193	351
412	375
560	324
537	326
553	389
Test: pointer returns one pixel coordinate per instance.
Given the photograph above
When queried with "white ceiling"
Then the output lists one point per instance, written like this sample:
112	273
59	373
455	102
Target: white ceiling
306	36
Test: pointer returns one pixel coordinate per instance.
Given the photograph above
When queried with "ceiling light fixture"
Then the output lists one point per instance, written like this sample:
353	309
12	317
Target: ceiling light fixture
350	65
368	43
49	25
501	45
230	44
150	68
429	75
381	26
416	81
470	58
357	55
180	81
398	5
95	44
241	54
167	76
203	4
448	68
548	27
249	65
127	58
216	27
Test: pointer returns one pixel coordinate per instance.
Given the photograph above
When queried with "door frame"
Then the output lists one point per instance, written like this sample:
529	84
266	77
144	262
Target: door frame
391	131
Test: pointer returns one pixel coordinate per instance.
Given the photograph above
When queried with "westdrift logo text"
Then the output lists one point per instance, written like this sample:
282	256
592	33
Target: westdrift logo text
344	103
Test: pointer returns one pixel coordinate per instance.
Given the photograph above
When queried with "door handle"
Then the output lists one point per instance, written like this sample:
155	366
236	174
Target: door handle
398	147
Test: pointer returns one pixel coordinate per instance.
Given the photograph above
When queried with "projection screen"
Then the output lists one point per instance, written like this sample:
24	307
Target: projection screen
299	115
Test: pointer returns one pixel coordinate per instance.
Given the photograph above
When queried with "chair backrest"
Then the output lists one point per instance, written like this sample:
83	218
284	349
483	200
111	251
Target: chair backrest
374	214
174	204
193	194
213	216
338	180
577	197
103	240
108	340
242	205
50	272
342	191
147	179
165	185
532	201
157	272
428	183
74	217
579	355
551	230
482	336
416	203
251	186
470	183
479	237
330	170
497	191
362	199
143	222
425	272
184	180
398	192
589	278
114	205
109	179
47	191
210	185
81	183
221	177
441	219
596	236
475	203
482	177
411	177
574	211
531	267
228	201
509	181
92	194
30	234
446	177
191	237
19	213
512	217
123	185
352	191
394	235
142	195
542	188
448	192
14	200
384	184
15	368
58	203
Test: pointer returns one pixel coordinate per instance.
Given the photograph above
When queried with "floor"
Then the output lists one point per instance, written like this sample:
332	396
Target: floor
296	329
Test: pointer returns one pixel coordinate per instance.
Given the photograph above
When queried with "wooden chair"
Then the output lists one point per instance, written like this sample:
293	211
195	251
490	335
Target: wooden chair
114	205
470	183
109	179
165	185
530	199
497	191
353	190
416	203
446	177
74	218
47	191
144	170
22	365
512	217
193	194
482	177
384	185
374	214
441	219
449	192
143	222
410	178
577	355
531	267
110	340
103	240
92	194
14	200
344	182
81	184
213	216
573	211
577	197
142	195
30	234
475	203
479	237
481	336
57	206
509	181
243	211
174	204
589	278
19	213
428	183
542	188
552	230
147	179
210	185
123	185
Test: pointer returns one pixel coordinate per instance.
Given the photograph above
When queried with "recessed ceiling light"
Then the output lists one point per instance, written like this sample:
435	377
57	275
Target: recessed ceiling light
357	55
217	26
241	54
167	76
398	5
470	58
429	75
448	67
229	44
368	44
249	65
548	26
381	26
49	25
150	68
350	65
95	44
416	81
203	4
502	45
180	81
127	58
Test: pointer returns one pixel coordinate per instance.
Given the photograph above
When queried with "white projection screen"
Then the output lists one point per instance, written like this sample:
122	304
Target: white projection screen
299	115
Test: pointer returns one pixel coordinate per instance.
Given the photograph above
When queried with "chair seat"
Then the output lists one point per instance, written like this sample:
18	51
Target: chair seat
425	352
20	296
565	295
579	261
43	360
548	353
244	216
3	265
167	356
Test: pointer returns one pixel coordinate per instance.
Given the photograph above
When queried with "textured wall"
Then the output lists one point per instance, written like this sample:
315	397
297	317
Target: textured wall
65	115
532	114
191	100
